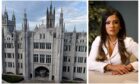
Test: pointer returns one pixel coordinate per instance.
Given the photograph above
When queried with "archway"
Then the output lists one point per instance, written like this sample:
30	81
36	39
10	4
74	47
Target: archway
41	72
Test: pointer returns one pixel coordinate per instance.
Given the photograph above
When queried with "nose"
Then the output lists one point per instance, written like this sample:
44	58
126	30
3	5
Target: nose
112	24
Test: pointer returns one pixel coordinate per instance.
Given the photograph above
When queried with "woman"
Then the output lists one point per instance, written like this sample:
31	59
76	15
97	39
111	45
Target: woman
112	50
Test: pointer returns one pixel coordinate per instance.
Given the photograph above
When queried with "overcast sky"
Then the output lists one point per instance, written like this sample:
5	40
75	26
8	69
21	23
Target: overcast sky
75	12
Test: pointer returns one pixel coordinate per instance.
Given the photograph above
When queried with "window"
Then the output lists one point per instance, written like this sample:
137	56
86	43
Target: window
85	48
80	59
9	55
75	58
84	70
42	57
76	48
40	36
85	60
69	59
21	56
43	36
68	68
81	48
74	69
79	69
48	45
36	46
67	48
10	64
35	57
9	45
5	55
42	45
65	59
48	58
64	68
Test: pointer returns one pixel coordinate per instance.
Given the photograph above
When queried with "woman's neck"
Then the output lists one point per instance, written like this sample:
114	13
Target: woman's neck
112	38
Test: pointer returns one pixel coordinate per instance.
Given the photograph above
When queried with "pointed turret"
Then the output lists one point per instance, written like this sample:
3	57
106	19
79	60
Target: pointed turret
25	25
14	19
50	17
61	18
74	30
51	8
5	15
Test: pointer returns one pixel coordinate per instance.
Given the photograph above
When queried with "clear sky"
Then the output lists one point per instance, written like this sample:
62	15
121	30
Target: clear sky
75	13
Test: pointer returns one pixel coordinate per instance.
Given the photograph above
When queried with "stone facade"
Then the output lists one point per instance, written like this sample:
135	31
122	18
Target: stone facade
47	52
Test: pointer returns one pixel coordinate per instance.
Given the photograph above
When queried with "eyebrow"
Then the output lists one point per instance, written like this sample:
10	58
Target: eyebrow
113	20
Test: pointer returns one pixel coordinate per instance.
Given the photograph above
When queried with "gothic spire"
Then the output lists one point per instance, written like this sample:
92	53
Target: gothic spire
5	13
13	16
74	30
61	17
25	25
51	8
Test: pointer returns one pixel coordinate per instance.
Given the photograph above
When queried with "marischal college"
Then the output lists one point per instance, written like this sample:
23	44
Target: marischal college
48	52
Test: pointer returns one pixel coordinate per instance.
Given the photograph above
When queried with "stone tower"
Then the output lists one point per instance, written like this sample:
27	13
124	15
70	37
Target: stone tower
50	17
59	47
25	30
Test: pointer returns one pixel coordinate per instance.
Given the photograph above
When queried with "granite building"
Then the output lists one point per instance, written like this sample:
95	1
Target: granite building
48	52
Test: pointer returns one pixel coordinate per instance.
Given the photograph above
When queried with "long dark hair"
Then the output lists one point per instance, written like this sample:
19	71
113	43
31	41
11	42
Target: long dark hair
121	36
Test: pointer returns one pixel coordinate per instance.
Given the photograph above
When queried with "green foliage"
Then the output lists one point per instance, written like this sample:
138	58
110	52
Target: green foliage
12	78
96	8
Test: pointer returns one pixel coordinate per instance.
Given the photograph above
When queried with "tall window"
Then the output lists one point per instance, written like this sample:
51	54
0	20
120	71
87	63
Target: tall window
40	36
81	48
36	46
64	68
35	57
68	68
48	58
74	69
48	45
84	70
43	36
79	69
65	59
9	55
42	45
42	58
9	45
80	59
75	59
10	64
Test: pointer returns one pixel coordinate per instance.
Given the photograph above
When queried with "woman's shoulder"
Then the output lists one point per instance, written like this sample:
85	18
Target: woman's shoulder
128	41
97	41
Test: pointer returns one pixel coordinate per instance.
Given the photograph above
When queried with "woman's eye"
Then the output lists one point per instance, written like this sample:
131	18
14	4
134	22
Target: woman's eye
107	22
116	22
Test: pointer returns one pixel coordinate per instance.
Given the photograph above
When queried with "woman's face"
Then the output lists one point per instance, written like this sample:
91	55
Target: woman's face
112	25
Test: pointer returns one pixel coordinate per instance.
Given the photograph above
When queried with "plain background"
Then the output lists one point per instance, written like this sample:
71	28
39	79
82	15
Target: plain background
129	11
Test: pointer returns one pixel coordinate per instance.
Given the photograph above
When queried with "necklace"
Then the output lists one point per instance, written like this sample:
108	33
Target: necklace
112	43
